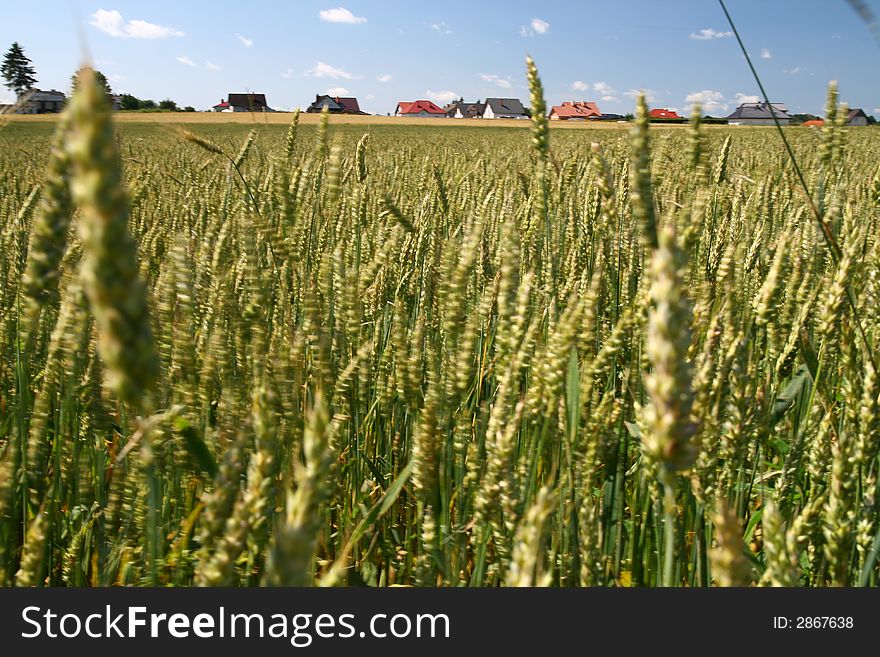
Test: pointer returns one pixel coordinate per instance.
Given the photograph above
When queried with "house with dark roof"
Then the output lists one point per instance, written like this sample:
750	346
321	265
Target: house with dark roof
462	110
857	117
663	113
334	105
37	101
504	108
419	108
246	102
575	110
759	114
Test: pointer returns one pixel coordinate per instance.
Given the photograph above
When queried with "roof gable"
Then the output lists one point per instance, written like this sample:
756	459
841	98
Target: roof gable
418	106
760	111
349	104
662	113
250	101
467	109
324	100
508	106
577	109
39	95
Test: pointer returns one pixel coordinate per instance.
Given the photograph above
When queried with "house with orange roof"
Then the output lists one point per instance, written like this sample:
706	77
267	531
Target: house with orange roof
419	108
575	110
663	114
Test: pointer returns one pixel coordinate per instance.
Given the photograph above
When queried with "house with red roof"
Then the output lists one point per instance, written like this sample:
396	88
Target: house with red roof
663	114
222	106
575	110
335	105
419	108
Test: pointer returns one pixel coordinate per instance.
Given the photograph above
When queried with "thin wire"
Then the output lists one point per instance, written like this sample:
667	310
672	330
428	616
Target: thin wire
836	253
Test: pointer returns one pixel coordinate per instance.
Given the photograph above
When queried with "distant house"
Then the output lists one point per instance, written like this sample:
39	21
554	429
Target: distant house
464	110
663	114
243	103
575	110
611	117
759	114
504	108
814	122
334	105
424	108
857	117
36	101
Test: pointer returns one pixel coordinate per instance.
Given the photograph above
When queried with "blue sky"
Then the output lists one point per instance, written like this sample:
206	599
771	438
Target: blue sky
679	51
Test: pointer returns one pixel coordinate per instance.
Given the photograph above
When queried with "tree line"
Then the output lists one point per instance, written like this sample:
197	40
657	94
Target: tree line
20	76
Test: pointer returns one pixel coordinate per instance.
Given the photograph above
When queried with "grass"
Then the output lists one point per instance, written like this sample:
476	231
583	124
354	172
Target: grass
440	356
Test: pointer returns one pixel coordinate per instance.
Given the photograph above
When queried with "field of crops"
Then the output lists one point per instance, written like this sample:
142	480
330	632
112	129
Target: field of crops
405	355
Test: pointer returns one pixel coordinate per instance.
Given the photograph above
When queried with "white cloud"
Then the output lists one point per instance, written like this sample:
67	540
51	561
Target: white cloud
604	88
115	77
111	22
766	54
370	97
606	92
442	97
650	95
792	71
211	66
384	78
709	101
708	33
876	110
287	74
186	60
340	15
322	70
496	80
337	91
741	98
537	26
441	28
247	43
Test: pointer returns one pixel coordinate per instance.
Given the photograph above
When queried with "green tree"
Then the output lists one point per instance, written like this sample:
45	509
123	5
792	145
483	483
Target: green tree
148	104
129	102
17	70
168	104
102	80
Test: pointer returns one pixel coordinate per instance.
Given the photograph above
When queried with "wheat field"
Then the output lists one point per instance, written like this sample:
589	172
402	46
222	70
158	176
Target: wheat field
362	354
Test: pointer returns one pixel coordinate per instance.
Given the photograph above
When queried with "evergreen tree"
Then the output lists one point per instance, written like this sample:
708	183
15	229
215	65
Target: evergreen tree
17	70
